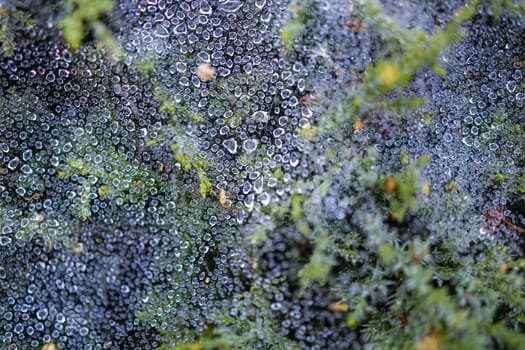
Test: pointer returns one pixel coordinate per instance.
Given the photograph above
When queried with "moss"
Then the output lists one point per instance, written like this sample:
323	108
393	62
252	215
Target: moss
401	189
85	16
299	15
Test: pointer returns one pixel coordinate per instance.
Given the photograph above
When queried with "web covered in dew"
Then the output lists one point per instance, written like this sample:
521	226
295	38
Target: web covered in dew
153	200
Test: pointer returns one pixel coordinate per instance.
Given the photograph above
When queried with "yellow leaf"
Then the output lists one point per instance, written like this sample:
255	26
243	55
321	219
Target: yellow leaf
358	124
223	200
49	346
388	74
425	188
430	342
103	190
390	185
194	346
338	307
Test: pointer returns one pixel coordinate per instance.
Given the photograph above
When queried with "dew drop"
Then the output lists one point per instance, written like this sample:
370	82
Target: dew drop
60	318
205	7
511	86
249	201
467	141
5	240
250	145
180	29
260	116
230	6
230	145
50	77
260	3
42	314
161	32
264	199
258	185
13	163
26	169
278	132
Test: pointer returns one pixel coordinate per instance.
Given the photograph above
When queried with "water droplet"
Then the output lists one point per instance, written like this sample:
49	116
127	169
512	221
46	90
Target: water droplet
50	77
264	199
250	145
258	185
260	3
60	318
161	32
180	29
42	314
249	201
26	169
467	141
230	145
247	188
27	155
230	6
181	67
205	7
511	86
278	132
13	163
5	240
260	116
20	191
275	306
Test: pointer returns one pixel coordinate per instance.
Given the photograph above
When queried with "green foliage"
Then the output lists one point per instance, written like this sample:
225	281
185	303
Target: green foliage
6	35
400	189
146	66
497	6
512	183
187	155
299	15
413	291
83	16
407	51
9	19
178	112
123	182
320	264
243	331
